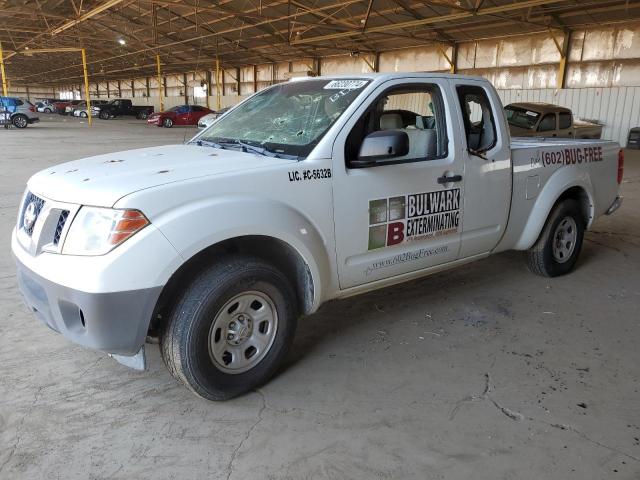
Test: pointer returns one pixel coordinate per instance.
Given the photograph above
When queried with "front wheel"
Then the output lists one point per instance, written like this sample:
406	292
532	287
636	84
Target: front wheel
167	123
84	114
143	115
104	115
231	328
47	110
557	249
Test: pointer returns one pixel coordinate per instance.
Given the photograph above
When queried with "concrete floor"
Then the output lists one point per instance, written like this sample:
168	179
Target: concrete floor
486	372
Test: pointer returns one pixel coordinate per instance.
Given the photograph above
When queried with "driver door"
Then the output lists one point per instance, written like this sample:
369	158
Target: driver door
183	115
404	214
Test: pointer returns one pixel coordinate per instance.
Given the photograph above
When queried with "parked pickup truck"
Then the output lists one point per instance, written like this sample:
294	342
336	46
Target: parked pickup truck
118	108
546	120
307	191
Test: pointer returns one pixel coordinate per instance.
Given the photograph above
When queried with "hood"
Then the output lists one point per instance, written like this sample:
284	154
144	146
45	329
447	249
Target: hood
104	179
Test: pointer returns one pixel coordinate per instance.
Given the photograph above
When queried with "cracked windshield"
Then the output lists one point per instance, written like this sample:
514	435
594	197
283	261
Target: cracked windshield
285	121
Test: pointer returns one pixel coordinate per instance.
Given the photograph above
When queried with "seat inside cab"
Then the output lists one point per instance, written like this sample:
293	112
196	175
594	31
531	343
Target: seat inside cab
416	110
423	137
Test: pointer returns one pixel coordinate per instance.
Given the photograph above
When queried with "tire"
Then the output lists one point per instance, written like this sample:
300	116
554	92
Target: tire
20	121
83	114
557	249
144	115
167	123
104	115
47	110
199	336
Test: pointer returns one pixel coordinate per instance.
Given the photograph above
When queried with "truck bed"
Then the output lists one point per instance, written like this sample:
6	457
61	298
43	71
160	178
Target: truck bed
538	162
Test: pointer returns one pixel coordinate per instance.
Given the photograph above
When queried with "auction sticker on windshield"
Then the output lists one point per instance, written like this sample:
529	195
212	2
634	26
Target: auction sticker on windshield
345	84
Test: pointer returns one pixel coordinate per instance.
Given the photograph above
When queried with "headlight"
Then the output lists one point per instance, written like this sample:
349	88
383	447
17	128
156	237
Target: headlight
96	231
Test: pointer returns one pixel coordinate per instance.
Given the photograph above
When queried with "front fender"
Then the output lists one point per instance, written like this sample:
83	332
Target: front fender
560	181
194	227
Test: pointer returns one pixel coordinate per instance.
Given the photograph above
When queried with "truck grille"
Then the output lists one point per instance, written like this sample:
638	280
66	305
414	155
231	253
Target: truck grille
38	203
62	219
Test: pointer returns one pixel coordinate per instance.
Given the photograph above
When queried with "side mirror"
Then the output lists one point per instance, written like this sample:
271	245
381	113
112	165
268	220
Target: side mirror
381	145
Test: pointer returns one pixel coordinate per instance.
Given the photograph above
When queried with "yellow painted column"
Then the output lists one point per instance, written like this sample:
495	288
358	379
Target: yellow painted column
87	99
160	83
4	75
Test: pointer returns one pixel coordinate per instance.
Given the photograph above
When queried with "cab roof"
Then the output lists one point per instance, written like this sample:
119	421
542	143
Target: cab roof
540	107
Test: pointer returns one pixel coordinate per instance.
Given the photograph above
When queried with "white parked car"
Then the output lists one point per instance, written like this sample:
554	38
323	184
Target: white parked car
80	110
45	106
208	119
307	191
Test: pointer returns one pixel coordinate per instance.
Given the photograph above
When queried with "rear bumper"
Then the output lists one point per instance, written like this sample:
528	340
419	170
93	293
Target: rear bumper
114	322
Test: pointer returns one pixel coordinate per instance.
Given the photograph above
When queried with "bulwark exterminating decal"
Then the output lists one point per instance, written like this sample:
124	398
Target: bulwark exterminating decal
412	217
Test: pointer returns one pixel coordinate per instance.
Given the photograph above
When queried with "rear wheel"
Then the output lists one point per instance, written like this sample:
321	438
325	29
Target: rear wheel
556	251
20	121
231	328
47	110
143	115
104	115
83	114
167	123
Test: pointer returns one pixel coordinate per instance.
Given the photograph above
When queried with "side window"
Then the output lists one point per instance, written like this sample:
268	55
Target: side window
414	110
565	120
548	123
477	115
19	102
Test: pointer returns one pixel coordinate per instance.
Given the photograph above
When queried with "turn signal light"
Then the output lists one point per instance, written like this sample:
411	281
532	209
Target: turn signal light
620	166
129	223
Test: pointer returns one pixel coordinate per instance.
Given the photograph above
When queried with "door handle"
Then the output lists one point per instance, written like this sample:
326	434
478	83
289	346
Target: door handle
454	178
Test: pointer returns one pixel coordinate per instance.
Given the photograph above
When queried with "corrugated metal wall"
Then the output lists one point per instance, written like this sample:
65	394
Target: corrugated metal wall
617	108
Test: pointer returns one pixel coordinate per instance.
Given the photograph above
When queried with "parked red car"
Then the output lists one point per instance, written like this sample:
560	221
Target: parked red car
61	106
180	115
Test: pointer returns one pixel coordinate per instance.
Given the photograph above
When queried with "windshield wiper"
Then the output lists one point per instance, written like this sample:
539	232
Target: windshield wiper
247	147
244	147
206	143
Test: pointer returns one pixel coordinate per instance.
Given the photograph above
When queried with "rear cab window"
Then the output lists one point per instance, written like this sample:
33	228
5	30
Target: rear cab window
565	120
478	119
548	123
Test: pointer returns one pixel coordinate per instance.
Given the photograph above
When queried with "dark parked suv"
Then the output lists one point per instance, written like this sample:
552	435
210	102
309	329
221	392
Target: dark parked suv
634	138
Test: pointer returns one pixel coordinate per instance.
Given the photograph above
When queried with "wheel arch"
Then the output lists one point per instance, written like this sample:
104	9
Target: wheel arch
268	248
579	190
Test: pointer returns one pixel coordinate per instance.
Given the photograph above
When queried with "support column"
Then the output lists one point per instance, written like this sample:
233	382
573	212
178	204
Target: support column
218	99
564	54
238	81
87	97
4	75
160	83
208	80
255	78
186	92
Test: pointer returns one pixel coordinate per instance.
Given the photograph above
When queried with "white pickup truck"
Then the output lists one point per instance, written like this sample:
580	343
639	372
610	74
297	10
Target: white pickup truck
307	191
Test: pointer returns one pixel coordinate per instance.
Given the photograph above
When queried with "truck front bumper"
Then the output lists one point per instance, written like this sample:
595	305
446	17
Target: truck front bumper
114	322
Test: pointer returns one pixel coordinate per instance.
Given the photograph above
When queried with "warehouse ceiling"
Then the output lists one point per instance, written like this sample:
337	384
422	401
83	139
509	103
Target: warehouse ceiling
122	37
